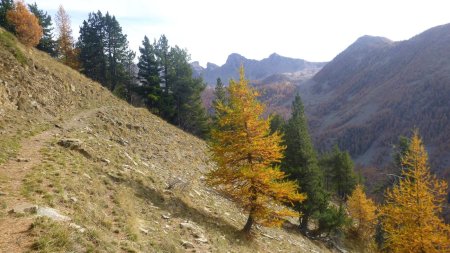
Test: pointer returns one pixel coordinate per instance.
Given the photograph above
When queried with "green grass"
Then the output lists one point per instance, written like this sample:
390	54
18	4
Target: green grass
10	42
52	236
9	146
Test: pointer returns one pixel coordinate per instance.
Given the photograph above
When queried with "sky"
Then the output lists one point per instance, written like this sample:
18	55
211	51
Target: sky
314	30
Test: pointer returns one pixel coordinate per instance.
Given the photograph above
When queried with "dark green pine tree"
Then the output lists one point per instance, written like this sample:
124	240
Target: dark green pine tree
47	43
399	152
128	79
149	75
277	123
104	53
163	52
220	97
190	114
5	6
301	164
341	168
220	94
116	49
91	45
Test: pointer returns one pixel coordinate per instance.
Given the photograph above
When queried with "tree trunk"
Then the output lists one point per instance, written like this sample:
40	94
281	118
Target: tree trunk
248	226
304	224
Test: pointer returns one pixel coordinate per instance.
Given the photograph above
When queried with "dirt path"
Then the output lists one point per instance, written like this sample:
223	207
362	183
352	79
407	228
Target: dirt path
14	230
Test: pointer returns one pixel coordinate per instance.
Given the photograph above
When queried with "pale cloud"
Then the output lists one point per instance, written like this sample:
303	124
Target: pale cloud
315	30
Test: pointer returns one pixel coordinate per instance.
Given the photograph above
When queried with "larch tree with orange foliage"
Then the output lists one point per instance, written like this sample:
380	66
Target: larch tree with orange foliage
245	151
363	212
411	216
26	25
67	53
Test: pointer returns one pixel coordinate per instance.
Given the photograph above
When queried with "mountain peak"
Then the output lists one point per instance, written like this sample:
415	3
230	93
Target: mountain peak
235	58
368	41
274	55
211	66
254	69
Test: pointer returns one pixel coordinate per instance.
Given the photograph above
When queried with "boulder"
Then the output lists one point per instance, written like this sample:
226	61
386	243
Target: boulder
70	143
52	214
187	245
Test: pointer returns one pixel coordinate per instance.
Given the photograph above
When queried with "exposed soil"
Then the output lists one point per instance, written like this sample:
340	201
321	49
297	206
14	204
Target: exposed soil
14	228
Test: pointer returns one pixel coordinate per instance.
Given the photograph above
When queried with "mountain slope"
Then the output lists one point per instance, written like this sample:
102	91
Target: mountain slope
254	70
377	89
128	181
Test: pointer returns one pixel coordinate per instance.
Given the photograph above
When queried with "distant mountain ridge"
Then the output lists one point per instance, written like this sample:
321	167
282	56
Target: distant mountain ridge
377	90
370	94
254	69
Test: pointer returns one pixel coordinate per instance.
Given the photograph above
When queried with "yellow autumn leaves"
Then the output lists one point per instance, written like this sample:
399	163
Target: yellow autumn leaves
245	151
411	215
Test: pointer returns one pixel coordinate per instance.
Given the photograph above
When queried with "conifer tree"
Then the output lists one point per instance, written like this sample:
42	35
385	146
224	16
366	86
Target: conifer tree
67	53
167	108
220	94
149	75
331	220
244	151
104	53
47	43
128	81
91	45
189	112
301	164
116	49
277	123
26	25
220	98
400	151
411	215
363	212
342	175
5	6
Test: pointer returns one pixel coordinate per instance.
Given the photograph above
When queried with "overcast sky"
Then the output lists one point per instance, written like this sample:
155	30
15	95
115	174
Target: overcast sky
314	30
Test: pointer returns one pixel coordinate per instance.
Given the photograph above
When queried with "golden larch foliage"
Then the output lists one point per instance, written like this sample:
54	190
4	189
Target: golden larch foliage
26	25
363	212
67	54
245	151
411	215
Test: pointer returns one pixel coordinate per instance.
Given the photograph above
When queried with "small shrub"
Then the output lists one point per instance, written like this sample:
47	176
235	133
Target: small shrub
332	220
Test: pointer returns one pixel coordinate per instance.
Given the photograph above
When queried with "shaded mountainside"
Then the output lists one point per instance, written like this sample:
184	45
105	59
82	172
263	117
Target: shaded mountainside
119	178
377	89
254	70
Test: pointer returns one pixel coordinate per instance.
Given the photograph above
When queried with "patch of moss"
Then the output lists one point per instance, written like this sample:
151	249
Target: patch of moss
10	42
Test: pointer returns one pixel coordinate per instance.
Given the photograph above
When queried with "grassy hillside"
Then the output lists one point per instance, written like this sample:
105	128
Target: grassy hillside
123	179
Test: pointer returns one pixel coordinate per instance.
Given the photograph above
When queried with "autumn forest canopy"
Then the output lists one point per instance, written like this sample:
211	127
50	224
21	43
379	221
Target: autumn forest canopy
266	165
